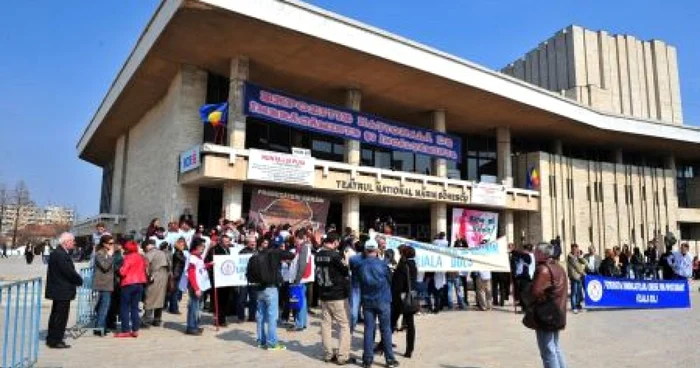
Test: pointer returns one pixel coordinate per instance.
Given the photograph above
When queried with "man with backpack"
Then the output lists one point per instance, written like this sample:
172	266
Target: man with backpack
375	285
332	279
264	277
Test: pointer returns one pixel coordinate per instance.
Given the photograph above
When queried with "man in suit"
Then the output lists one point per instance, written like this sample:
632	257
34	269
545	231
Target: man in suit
592	261
61	282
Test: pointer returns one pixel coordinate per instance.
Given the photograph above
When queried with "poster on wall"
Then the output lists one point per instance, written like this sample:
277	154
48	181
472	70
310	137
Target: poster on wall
278	207
474	226
280	168
492	256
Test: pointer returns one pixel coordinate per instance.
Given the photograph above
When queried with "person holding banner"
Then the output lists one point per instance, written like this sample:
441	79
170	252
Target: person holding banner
576	269
402	284
197	283
300	271
247	294
223	294
682	263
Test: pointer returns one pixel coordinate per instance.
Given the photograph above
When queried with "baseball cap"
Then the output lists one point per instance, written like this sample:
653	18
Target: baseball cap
371	245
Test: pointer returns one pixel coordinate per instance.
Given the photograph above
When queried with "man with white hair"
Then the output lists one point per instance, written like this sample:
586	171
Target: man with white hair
61	282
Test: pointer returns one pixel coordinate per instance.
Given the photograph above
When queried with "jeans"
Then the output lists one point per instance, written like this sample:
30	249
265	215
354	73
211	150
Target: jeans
354	307
129	307
454	286
103	308
193	306
576	294
437	296
173	301
371	313
246	297
302	315
268	303
548	343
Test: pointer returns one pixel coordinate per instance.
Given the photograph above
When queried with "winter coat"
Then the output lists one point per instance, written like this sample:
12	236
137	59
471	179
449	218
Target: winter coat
61	276
159	271
104	271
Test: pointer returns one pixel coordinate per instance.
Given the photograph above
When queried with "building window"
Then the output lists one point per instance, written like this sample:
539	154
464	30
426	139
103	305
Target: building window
217	92
481	157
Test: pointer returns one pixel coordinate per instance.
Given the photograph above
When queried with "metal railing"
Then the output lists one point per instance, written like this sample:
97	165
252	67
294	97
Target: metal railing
85	304
20	313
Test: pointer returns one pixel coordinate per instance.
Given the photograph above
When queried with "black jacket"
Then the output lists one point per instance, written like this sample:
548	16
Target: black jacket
399	281
179	261
608	268
61	277
332	276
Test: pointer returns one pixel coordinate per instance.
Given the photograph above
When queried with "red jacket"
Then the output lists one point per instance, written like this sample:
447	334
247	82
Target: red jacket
133	271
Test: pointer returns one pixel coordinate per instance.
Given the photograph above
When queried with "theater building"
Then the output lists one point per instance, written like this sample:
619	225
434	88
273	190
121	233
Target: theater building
583	138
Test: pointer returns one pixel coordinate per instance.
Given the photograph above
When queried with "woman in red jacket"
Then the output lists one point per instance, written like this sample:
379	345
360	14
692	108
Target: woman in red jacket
133	278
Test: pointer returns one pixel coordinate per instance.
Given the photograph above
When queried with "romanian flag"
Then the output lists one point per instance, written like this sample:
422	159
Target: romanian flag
214	114
533	179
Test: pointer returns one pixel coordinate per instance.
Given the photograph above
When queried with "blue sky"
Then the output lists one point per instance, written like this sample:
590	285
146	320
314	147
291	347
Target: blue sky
58	58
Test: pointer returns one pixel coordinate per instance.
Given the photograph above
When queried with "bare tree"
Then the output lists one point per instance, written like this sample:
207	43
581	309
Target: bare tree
21	201
4	201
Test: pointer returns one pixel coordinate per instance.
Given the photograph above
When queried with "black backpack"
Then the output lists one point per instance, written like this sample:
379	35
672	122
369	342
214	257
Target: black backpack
262	270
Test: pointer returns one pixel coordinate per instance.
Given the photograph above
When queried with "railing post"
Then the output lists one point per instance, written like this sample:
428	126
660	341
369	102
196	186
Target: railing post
39	289
5	342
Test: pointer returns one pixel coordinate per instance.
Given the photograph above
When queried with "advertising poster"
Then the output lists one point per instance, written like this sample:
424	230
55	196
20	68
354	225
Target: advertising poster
492	256
278	207
278	167
474	226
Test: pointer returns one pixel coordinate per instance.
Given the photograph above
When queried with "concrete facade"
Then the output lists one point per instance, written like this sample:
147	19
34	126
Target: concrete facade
613	73
598	203
150	178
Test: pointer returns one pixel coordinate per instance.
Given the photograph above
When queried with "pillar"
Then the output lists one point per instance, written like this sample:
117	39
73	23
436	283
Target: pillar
233	190
232	200
507	226
238	74
351	211
670	164
438	210
618	156
351	202
505	162
558	147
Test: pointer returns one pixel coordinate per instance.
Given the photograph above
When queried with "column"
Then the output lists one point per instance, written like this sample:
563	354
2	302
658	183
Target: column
558	147
233	190
351	202
438	210
618	157
505	176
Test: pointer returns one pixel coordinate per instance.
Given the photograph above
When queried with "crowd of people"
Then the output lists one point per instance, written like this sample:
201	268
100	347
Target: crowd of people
356	279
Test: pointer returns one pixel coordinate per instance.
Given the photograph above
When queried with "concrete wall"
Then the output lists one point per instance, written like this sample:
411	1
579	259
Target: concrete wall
150	178
585	202
612	73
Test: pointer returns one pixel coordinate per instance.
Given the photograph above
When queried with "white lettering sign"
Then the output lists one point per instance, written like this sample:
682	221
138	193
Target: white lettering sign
230	270
489	194
280	168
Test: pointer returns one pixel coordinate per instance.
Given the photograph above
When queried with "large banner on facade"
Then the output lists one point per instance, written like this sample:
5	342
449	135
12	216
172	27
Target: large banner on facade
489	194
278	207
474	226
492	256
607	292
278	167
340	122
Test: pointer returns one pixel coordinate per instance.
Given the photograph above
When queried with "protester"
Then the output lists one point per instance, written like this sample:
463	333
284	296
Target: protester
376	297
103	281
114	305
608	268
179	260
334	286
483	290
159	274
247	294
186	231
264	272
152	228
403	282
133	278
682	263
100	229
61	282
223	293
637	263
524	270
592	261
624	261
197	283
576	269
546	306
665	262
300	269
500	287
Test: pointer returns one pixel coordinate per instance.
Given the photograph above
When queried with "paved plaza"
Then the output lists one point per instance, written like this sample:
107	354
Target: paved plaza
620	338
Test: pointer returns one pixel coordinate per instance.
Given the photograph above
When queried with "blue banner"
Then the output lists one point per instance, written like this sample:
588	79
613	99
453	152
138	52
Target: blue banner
608	292
303	114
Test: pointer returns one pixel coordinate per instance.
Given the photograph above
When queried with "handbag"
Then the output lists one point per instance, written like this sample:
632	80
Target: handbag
410	301
547	313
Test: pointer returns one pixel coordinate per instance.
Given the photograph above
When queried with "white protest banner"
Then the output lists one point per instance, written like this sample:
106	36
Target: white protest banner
280	168
492	256
230	270
489	194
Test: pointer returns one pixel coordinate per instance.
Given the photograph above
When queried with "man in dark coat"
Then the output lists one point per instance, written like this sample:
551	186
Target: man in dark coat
61	282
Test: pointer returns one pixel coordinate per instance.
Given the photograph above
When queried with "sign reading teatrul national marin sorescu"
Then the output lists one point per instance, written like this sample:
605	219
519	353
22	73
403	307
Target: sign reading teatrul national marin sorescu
303	114
608	292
